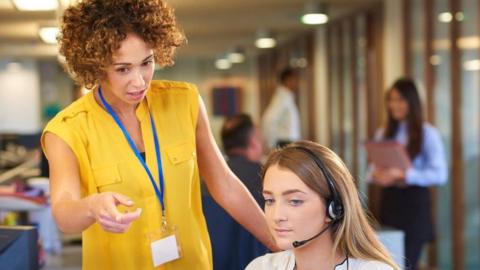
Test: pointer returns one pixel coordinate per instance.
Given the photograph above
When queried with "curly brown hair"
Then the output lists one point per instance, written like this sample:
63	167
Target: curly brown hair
92	30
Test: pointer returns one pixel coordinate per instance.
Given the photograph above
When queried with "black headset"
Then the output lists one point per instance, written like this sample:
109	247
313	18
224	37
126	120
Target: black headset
334	203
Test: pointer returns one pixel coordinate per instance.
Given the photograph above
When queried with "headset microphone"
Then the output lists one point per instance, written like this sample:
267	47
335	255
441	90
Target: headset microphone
334	205
297	244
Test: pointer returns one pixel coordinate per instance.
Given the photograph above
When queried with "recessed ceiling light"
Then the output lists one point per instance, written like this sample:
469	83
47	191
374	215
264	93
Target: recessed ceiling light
223	64
445	17
48	34
265	43
314	18
236	56
265	40
435	60
35	5
472	65
315	13
459	16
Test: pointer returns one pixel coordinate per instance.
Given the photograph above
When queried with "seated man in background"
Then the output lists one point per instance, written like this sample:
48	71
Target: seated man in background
233	247
243	145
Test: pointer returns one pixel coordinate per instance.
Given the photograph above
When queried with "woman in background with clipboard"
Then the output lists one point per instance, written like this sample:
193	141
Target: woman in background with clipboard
405	202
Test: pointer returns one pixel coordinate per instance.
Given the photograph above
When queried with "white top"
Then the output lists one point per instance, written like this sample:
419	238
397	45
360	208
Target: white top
285	260
281	120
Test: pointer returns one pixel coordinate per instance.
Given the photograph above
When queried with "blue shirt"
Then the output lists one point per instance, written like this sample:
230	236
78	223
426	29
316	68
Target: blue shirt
429	167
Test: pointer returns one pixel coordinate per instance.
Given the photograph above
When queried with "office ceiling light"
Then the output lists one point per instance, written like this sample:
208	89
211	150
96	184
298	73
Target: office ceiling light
35	5
265	40
48	34
435	60
315	14
223	64
236	56
459	16
445	17
472	65
265	43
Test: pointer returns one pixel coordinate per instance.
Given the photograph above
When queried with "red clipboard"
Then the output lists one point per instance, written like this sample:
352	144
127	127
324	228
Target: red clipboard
388	154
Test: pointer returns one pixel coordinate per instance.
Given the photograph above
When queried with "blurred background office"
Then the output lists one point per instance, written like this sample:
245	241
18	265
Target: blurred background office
347	53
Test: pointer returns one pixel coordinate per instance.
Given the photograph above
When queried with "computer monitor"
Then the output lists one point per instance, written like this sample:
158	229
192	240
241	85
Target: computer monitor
18	247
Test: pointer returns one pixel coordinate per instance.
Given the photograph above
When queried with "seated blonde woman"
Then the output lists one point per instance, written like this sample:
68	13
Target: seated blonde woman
315	215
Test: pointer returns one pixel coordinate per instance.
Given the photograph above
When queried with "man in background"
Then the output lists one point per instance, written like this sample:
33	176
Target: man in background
243	145
232	246
281	120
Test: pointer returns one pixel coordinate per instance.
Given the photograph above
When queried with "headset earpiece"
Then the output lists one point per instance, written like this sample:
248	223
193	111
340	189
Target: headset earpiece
334	206
334	210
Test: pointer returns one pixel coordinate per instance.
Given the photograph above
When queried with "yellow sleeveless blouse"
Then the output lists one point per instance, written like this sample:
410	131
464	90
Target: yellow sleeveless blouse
107	163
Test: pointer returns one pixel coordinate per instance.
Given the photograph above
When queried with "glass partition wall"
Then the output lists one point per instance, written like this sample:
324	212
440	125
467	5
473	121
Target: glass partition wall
443	40
352	54
442	53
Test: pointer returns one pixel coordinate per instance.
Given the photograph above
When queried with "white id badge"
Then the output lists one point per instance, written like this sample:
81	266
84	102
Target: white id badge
164	246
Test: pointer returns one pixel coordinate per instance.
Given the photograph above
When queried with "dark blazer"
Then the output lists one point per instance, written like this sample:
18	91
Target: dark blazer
233	247
249	174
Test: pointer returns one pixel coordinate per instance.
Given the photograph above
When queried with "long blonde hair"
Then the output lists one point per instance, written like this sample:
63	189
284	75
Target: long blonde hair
352	233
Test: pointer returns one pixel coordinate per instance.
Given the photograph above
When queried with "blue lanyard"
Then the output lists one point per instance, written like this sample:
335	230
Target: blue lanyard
158	191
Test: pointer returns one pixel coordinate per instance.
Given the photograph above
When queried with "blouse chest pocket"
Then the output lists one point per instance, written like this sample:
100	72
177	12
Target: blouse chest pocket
107	178
180	153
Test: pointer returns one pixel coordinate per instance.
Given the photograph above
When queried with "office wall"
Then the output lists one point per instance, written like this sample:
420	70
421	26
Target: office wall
321	87
393	62
203	73
19	97
56	88
393	58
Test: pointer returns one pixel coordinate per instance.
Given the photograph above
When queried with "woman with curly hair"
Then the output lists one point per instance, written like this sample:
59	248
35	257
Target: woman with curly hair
125	159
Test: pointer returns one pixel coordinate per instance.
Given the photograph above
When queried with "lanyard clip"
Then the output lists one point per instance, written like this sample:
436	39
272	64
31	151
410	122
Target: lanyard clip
164	218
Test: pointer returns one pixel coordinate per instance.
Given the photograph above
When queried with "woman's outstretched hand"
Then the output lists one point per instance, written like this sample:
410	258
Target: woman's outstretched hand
103	208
